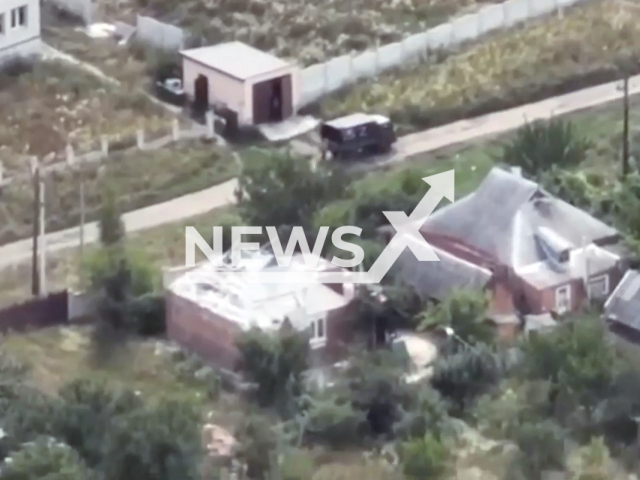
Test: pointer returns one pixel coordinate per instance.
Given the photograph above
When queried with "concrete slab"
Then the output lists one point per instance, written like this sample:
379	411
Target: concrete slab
290	128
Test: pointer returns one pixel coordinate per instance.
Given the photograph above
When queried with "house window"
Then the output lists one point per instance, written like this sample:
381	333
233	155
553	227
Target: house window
599	286
19	17
318	333
563	299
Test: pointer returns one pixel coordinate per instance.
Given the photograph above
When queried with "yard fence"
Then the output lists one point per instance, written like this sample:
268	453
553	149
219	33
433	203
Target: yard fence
52	310
108	146
41	312
159	34
321	79
83	9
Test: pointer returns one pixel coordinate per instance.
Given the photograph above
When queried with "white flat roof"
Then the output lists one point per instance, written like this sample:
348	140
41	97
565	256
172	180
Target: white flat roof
259	305
236	59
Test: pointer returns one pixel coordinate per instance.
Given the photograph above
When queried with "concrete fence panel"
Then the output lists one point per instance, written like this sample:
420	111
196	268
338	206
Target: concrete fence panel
491	18
322	79
465	28
84	9
364	65
439	37
516	11
415	46
338	72
159	34
540	7
390	56
80	305
312	81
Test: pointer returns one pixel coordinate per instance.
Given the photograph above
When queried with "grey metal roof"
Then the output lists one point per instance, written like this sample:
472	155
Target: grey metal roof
504	215
623	306
436	280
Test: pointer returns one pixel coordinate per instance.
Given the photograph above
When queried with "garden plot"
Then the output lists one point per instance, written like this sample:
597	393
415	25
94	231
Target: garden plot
545	58
140	179
307	31
50	103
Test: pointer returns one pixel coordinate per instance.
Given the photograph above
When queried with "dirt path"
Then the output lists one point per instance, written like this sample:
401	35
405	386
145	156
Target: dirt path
426	141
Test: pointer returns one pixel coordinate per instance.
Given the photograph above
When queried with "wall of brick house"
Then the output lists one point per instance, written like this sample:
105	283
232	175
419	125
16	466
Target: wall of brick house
213	336
340	333
545	300
201	331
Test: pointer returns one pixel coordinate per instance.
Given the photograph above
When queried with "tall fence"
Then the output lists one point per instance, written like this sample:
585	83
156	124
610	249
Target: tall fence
321	79
83	9
159	34
48	311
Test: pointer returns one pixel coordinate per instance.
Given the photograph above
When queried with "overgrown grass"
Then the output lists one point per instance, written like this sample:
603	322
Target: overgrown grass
546	58
140	178
52	103
308	32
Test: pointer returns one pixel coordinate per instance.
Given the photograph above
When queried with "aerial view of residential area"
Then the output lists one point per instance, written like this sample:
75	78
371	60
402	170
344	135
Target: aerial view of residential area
319	240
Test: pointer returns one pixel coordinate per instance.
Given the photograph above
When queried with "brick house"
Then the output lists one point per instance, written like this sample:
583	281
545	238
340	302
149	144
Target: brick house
206	315
532	252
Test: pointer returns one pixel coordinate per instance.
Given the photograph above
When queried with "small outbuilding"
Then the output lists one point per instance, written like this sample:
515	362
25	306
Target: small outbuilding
256	86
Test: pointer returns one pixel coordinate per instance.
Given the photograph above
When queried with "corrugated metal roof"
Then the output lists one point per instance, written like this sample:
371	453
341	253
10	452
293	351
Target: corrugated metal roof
236	59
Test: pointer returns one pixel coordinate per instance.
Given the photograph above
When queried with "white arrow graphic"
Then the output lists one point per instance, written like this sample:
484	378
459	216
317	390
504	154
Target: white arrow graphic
407	235
408	228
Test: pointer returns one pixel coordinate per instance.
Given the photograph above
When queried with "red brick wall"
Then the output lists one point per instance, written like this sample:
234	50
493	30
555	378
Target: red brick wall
339	325
201	331
213	336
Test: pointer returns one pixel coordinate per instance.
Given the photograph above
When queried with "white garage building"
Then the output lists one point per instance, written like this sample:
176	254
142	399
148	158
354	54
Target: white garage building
257	86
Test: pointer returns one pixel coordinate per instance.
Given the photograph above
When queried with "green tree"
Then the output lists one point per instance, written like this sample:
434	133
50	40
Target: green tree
331	419
374	384
541	444
110	223
46	459
426	413
576	358
257	446
464	375
275	364
465	312
424	457
540	145
157	442
284	191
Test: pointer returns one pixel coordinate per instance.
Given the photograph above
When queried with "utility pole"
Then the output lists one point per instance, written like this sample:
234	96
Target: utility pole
35	176
43	244
625	126
82	219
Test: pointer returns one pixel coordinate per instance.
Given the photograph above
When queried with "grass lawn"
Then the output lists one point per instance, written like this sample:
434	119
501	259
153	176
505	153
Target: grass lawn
48	104
513	67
